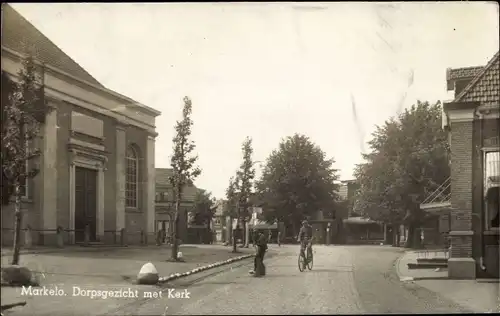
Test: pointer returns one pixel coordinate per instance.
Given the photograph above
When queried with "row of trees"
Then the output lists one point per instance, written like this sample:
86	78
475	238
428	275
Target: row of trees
297	181
408	160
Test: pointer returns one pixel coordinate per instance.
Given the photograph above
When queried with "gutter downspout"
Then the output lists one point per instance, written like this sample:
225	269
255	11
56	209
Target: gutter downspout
480	216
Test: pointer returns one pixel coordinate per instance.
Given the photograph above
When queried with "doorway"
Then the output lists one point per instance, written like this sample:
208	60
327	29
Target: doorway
163	225
85	203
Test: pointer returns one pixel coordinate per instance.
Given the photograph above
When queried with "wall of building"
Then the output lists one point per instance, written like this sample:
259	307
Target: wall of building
461	184
490	128
33	206
135	218
103	105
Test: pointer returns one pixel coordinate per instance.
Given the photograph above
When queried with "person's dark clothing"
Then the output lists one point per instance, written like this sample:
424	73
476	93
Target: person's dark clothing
261	251
305	232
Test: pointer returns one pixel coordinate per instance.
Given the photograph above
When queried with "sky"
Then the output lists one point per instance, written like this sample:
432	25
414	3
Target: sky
269	70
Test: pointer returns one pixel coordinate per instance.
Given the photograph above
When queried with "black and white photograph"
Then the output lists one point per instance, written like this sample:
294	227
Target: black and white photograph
250	158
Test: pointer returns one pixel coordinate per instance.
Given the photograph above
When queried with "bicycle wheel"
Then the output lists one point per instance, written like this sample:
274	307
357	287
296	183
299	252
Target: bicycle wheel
301	263
310	261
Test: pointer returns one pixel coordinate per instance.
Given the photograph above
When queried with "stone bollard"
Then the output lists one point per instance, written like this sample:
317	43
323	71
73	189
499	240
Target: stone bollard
28	238
86	235
148	274
59	235
123	240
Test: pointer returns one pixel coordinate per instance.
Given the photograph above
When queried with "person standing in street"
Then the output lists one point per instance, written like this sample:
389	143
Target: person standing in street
259	268
279	239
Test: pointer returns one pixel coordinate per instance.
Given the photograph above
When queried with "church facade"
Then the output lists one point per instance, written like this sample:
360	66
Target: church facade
97	164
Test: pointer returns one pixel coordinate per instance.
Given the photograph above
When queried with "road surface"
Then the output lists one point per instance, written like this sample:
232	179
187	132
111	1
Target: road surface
344	280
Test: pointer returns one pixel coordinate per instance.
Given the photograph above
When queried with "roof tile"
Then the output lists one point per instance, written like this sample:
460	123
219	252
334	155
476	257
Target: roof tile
485	87
163	180
463	73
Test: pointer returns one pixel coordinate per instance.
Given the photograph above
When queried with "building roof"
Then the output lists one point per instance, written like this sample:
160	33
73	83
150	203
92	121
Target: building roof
19	35
485	87
163	181
163	176
349	181
463	73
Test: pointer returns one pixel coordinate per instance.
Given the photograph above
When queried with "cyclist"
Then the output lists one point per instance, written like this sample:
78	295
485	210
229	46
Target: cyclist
305	238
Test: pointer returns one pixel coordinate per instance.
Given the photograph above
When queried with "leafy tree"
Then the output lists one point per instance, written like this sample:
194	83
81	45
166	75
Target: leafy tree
23	112
203	209
231	197
408	161
297	181
245	175
183	164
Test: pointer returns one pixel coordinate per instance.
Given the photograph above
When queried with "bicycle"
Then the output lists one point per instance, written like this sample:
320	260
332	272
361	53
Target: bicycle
308	260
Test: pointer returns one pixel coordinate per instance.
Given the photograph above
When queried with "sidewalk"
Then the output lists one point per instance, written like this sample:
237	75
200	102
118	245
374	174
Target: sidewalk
475	295
106	270
406	274
7	251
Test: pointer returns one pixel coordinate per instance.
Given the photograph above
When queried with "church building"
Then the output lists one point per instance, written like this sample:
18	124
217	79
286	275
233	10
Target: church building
97	167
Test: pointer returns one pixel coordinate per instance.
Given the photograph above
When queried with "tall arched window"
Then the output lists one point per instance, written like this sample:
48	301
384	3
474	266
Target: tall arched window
132	177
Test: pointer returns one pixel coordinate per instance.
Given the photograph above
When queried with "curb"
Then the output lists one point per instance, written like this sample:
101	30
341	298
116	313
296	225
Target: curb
87	249
66	249
203	268
396	265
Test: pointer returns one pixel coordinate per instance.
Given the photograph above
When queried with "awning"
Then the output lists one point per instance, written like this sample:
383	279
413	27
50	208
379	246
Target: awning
265	226
359	221
257	224
492	182
491	171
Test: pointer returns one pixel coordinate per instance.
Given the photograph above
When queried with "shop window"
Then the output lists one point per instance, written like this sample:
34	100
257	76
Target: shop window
492	206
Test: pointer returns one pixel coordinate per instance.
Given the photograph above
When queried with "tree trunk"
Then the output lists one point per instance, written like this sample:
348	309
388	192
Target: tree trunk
234	236
237	228
398	235
294	228
175	233
17	226
413	240
247	235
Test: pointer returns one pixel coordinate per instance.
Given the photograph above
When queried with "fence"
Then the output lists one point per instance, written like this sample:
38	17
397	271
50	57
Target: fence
61	237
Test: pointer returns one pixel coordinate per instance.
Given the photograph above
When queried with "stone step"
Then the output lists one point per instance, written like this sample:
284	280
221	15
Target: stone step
432	260
413	266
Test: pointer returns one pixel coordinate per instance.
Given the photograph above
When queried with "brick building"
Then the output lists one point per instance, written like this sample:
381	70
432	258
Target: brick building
97	162
471	206
219	222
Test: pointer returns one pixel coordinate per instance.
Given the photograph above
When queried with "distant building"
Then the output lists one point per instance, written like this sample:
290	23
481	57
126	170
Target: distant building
342	191
165	204
347	191
219	222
